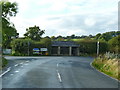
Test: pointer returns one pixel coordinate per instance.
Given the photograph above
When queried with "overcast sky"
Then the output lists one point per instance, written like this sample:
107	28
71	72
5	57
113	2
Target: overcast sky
67	17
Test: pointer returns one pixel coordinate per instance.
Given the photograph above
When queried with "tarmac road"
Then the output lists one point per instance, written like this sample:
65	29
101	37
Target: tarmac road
54	72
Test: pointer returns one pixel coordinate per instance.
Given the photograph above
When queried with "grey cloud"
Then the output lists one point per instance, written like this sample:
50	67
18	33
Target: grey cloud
77	22
54	18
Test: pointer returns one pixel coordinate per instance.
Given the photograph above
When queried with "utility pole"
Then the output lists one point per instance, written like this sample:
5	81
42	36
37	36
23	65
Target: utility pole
28	48
98	48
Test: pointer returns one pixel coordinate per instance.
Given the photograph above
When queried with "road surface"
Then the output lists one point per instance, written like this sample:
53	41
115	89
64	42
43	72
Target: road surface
54	72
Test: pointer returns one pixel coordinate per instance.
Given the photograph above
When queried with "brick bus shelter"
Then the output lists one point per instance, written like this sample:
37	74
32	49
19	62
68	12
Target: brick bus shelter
68	48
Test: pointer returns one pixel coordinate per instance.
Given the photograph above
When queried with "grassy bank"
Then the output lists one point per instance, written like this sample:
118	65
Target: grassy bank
3	63
109	66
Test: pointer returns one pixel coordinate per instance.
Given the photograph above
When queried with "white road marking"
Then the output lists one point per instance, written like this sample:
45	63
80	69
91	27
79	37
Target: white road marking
16	65
27	61
11	74
21	63
21	66
16	71
5	72
57	65
59	76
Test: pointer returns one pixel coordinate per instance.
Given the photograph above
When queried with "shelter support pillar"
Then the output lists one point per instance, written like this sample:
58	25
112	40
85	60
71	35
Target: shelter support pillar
78	51
58	50
70	51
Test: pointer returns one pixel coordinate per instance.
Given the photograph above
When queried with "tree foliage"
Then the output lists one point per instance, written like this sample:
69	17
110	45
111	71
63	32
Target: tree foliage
97	36
8	9
34	33
114	44
8	32
52	38
8	29
107	36
89	46
21	46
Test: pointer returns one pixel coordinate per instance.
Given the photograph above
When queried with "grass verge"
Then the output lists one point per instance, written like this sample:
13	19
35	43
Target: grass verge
3	63
110	67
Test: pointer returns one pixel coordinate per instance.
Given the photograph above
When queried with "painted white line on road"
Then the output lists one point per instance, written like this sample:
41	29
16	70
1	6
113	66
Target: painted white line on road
16	65
21	63
27	61
103	73
57	65
11	74
16	71
5	72
59	76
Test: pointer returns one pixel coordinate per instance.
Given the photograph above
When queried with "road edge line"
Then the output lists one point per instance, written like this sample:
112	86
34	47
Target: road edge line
5	72
103	73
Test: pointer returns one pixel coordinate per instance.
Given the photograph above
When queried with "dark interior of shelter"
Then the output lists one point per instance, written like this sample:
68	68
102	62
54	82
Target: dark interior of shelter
67	48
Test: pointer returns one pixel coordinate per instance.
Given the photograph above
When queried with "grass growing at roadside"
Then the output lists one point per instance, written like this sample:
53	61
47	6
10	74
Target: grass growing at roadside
108	66
3	62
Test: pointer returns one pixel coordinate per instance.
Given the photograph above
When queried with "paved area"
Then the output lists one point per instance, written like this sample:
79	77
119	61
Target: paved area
54	72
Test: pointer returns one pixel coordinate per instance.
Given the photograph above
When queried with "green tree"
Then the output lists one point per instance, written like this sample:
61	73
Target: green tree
72	36
97	36
114	44
53	38
8	9
8	29
107	36
34	33
46	43
118	33
89	46
22	46
60	38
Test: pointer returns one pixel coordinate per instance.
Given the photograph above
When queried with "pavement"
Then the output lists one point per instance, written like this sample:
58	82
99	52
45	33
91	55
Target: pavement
54	72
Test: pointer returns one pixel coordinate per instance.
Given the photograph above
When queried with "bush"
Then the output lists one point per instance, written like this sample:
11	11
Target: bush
4	62
20	47
90	46
114	44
